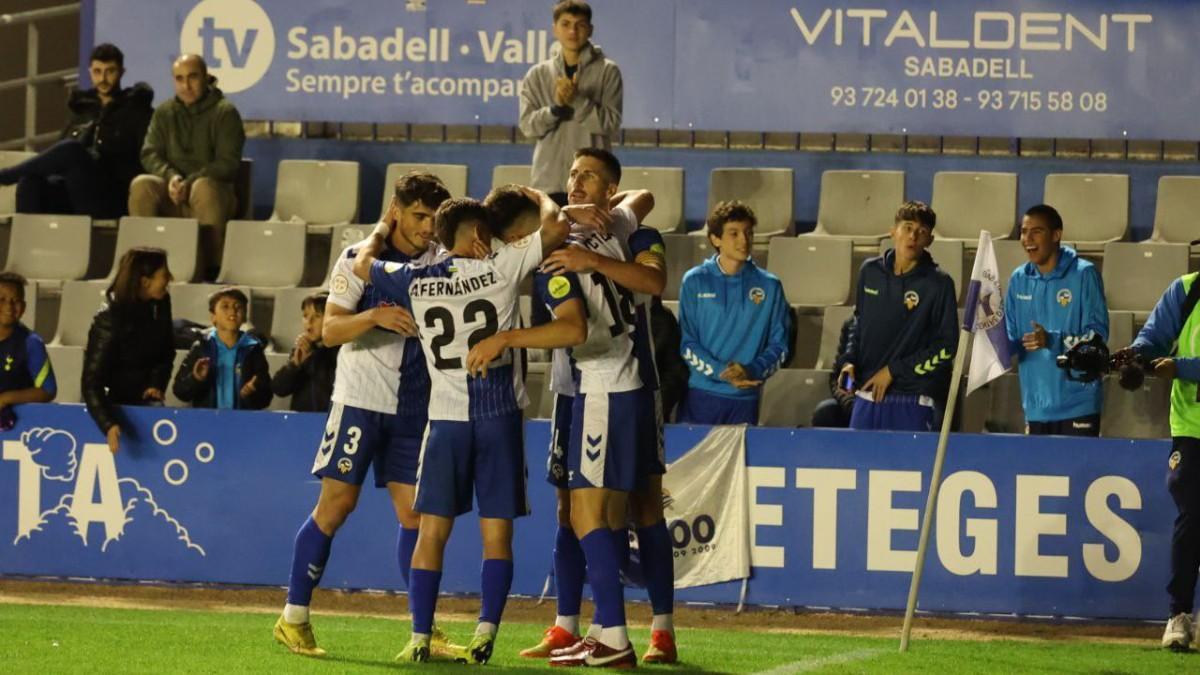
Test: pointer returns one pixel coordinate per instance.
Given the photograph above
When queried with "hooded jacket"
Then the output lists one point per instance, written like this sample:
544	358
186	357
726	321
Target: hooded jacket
908	323
201	141
130	349
249	362
113	134
1069	303
590	121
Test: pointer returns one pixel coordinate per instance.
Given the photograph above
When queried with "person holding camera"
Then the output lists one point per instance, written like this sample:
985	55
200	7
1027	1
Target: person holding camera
1054	302
1174	320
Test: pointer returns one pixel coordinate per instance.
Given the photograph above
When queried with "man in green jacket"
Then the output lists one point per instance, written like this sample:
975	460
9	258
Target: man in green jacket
191	154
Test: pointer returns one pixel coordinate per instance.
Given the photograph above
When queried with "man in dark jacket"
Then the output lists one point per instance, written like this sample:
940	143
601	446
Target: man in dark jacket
308	375
903	345
89	170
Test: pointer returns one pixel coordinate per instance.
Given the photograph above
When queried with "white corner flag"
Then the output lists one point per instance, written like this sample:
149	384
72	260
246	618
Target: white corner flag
984	318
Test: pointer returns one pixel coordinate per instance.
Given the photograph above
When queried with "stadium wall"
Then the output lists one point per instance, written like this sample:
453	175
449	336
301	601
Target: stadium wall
1027	526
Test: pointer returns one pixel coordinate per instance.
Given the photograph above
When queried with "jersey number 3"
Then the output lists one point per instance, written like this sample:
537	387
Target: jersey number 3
443	320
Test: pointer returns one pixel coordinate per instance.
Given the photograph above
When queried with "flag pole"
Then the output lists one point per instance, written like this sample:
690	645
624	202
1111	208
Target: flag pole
935	483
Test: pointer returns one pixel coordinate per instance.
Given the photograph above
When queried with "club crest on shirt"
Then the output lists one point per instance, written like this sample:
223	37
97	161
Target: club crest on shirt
340	284
344	465
1064	297
911	300
757	295
1174	460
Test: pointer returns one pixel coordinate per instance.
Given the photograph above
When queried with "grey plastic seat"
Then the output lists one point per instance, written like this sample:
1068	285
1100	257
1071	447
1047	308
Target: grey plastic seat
831	331
1135	275
666	183
80	302
814	271
859	205
179	237
1094	207
31	305
453	175
190	301
1120	330
1136	414
1176	210
683	252
789	397
287	320
519	174
1010	255
263	255
341	237
318	193
537	386
769	192
8	193
49	248
948	254
68	372
969	202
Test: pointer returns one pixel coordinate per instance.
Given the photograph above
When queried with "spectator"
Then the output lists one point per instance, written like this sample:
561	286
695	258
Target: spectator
192	153
130	344
735	322
1054	301
308	375
27	376
673	372
89	170
906	330
835	412
570	101
227	367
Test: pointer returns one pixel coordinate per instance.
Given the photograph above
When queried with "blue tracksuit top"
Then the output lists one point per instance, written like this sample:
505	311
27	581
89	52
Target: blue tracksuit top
732	318
1069	303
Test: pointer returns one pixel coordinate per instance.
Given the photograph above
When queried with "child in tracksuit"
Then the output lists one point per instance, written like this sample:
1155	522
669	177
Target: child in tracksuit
226	368
735	323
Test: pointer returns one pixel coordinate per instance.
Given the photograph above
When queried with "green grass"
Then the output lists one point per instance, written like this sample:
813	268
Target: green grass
60	639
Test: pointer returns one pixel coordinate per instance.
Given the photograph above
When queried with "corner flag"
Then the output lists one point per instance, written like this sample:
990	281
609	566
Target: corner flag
984	318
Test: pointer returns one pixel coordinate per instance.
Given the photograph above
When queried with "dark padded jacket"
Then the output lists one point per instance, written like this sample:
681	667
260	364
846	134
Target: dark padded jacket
310	384
113	134
251	362
130	349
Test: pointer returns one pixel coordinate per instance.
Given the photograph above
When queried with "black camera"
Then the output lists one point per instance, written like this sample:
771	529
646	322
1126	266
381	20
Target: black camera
1088	360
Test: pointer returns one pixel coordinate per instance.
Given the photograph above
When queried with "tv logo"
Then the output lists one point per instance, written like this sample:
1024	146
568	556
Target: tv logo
236	39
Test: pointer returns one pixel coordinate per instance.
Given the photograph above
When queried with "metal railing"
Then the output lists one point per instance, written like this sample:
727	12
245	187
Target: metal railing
32	76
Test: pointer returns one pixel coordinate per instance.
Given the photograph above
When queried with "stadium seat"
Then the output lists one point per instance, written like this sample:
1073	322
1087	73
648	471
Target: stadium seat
683	253
80	302
666	183
1136	414
190	301
789	397
1176	210
859	205
1135	275
68	372
8	193
968	202
180	238
505	174
171	400
769	192
287	321
831	330
453	175
274	363
1120	330
948	254
263	255
31	305
341	237
1010	255
672	306
318	193
814	271
1005	414
537	385
51	249
1094	207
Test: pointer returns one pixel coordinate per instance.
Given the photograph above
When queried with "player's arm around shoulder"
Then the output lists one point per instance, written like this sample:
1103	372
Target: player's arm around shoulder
370	250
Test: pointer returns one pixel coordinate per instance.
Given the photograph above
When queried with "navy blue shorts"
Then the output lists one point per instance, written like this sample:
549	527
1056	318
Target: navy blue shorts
608	434
652	459
560	441
700	407
356	438
896	412
485	456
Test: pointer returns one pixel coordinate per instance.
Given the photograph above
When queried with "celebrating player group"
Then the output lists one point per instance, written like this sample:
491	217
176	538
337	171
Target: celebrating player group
429	392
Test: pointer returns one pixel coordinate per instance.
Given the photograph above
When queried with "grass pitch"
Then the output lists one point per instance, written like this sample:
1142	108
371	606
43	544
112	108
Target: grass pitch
66	639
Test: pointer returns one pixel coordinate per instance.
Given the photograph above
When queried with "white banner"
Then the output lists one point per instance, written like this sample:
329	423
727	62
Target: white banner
704	495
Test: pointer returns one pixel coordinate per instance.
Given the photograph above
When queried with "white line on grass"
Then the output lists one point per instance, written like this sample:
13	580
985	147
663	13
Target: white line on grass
808	665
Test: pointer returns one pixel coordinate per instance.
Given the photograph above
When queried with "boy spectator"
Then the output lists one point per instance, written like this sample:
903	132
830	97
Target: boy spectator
902	349
226	368
835	412
89	170
26	375
1054	301
308	375
735	322
570	101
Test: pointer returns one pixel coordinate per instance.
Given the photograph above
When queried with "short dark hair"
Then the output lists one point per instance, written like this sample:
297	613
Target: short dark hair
609	160
316	301
917	212
1047	213
108	53
139	262
453	213
416	186
727	211
573	7
16	281
231	292
506	204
